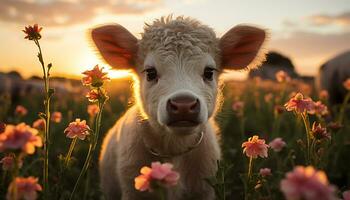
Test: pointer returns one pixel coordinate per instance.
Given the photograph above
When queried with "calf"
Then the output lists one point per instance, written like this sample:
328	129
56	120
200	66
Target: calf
177	62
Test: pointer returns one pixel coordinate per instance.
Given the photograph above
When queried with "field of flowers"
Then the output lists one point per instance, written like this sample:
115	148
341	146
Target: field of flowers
280	140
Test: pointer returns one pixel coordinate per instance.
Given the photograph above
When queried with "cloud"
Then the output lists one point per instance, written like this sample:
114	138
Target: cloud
342	19
310	49
69	12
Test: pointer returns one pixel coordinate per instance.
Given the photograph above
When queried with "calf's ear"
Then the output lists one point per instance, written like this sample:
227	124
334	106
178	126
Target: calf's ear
241	47
117	46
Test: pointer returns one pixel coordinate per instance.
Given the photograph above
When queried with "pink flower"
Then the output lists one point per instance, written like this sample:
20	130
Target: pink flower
300	104
282	76
320	108
323	95
8	163
95	77
39	124
346	84
21	137
93	110
32	32
277	144
93	95
238	107
56	117
265	172
160	174
26	188
308	184
346	195
21	111
320	132
255	147
77	129
143	181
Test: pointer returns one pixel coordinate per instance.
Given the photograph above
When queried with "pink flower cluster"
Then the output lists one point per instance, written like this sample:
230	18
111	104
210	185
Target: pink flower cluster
158	175
21	137
255	147
306	183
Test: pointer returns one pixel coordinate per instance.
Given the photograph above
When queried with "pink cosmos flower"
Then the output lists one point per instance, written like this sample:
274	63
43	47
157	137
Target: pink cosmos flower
56	117
21	137
95	77
238	108
161	174
308	184
32	32
265	172
255	147
282	76
277	144
323	95
346	84
77	129
21	111
26	188
93	95
39	124
300	104
320	108
93	109
320	132
346	195
8	163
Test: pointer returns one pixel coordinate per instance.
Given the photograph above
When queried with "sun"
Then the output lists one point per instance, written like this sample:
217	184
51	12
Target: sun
91	60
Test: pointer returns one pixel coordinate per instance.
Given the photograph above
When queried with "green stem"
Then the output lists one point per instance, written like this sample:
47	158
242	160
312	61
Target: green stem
308	138
47	122
70	151
250	166
91	150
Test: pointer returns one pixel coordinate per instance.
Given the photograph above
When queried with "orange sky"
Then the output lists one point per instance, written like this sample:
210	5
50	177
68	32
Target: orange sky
309	32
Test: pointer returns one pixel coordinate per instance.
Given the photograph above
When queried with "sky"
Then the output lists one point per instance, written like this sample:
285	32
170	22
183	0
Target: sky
308	31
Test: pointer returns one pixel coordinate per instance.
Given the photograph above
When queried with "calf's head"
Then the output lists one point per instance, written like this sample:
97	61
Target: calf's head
178	62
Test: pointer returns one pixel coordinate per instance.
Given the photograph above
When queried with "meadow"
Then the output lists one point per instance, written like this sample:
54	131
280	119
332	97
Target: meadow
255	107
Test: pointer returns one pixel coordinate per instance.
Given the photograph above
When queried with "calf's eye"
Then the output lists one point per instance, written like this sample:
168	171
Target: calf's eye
151	74
208	73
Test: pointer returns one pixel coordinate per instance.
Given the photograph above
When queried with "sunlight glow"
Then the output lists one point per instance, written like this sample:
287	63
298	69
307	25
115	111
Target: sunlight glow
117	74
90	60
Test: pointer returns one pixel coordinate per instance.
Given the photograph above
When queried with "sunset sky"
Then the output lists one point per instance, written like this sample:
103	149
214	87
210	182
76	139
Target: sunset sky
308	31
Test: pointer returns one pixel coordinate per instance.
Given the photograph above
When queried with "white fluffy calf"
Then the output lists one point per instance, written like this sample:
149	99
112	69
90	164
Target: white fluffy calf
178	62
